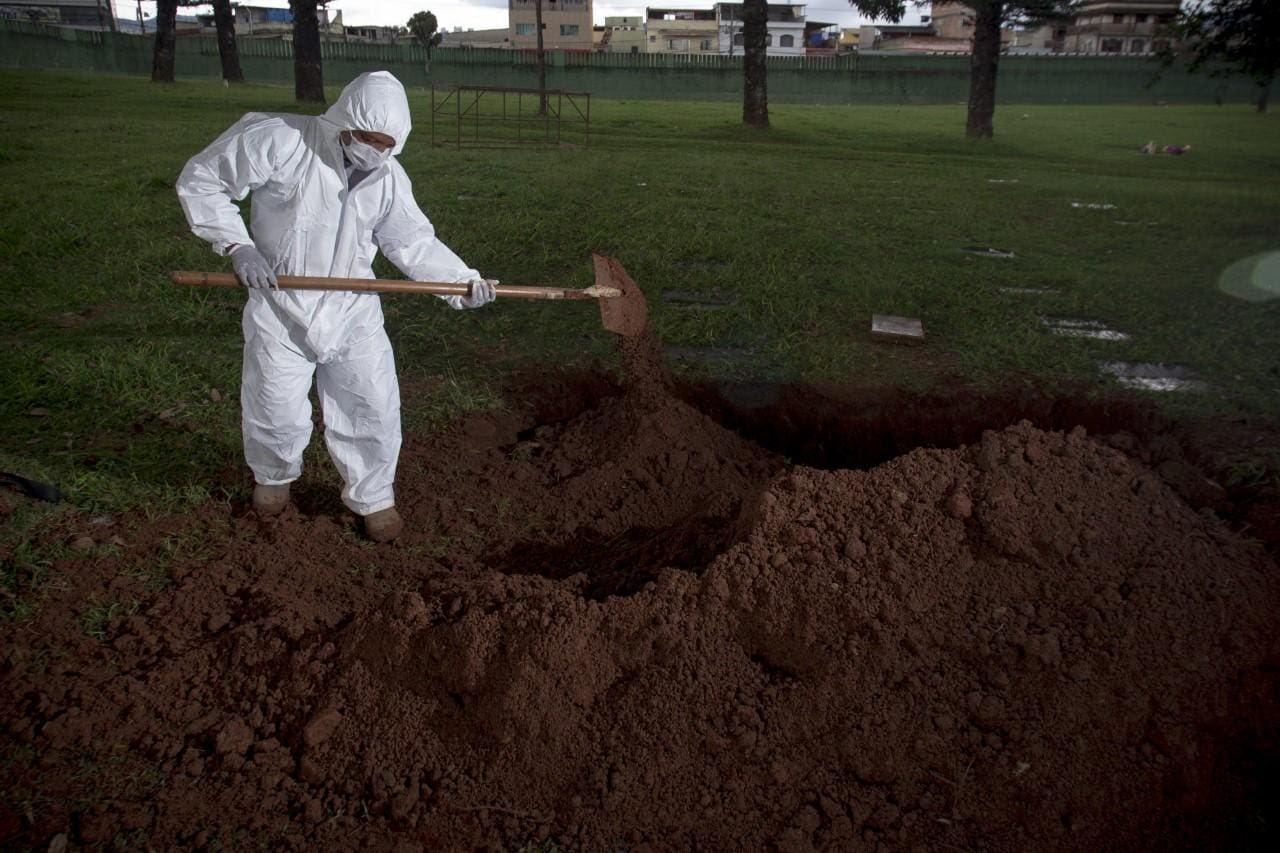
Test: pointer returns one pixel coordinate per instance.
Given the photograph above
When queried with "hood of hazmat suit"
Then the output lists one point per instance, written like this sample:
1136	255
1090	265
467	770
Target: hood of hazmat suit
376	102
312	215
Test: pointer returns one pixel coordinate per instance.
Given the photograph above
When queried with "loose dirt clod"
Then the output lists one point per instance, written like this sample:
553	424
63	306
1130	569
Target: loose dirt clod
627	626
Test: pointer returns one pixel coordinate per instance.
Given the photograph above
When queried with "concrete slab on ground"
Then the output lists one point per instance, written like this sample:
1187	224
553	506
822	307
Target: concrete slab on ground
1072	327
903	330
1153	376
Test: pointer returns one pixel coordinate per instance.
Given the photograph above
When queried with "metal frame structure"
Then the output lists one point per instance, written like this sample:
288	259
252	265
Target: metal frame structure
531	128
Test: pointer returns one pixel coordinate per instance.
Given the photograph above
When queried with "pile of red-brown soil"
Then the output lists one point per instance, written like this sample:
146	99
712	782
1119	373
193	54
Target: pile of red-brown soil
633	629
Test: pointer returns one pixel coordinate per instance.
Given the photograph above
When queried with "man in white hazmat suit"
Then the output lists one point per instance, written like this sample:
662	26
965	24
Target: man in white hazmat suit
327	194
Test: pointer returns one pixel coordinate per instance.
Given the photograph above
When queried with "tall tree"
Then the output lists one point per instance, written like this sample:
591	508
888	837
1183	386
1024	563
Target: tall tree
542	60
979	120
106	15
423	27
308	74
989	17
755	72
228	51
162	53
1244	34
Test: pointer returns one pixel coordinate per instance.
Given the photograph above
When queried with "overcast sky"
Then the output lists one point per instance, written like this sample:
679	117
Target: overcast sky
492	14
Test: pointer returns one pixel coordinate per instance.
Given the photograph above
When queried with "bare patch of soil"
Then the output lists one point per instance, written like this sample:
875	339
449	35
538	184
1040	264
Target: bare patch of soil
620	619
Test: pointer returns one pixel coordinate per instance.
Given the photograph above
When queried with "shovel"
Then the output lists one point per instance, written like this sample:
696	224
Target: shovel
613	285
31	488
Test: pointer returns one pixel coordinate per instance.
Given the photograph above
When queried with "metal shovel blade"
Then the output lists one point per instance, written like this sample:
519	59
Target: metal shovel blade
625	315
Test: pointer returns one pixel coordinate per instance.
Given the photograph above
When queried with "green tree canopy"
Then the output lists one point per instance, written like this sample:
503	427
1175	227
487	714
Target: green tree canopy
424	27
1244	34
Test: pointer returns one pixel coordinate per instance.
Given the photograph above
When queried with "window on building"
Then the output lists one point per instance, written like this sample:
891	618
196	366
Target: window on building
653	38
737	40
705	44
768	40
677	44
568	29
635	49
1112	45
1117	19
1140	19
525	30
1136	46
787	41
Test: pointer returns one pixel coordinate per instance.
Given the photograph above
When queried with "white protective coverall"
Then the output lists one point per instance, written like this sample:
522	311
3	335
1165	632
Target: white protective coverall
313	215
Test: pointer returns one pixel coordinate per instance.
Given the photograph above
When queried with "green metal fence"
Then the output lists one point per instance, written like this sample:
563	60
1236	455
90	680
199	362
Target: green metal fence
792	79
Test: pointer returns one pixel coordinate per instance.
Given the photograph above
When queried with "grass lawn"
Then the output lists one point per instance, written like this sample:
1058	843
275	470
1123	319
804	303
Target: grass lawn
121	388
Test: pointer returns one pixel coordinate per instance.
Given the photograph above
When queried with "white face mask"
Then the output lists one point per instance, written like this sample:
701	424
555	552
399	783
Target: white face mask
364	156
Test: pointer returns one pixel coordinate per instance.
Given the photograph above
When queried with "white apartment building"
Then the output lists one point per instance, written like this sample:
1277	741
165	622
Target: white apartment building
786	29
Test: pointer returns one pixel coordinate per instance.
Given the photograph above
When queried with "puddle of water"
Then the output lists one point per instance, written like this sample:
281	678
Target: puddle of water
1150	376
1038	291
692	299
1070	327
988	252
708	355
1002	180
890	328
1092	205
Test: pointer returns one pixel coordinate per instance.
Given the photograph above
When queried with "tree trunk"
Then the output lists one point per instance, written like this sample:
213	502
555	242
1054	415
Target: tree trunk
982	70
166	37
107	17
542	61
1264	97
308	75
755	79
228	52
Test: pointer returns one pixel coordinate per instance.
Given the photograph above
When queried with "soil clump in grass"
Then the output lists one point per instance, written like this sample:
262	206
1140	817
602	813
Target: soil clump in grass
629	627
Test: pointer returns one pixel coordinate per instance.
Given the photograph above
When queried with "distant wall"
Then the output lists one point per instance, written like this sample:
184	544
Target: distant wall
850	79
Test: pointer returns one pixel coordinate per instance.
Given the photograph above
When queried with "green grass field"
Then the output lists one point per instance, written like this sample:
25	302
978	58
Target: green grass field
121	388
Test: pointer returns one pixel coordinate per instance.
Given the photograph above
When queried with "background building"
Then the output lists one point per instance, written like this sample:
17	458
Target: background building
681	31
84	13
787	30
626	34
1131	26
277	22
566	24
460	37
950	20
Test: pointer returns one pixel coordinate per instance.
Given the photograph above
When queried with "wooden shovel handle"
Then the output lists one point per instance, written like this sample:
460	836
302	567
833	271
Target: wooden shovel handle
376	285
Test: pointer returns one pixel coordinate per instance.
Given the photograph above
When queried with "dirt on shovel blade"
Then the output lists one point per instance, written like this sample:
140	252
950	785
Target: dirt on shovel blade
625	315
612	623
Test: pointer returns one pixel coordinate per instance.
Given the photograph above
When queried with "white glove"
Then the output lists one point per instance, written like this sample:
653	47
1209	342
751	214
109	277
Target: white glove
483	291
251	267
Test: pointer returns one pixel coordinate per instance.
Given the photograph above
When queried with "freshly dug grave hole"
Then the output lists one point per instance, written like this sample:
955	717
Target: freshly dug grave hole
1028	642
621	564
639	482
